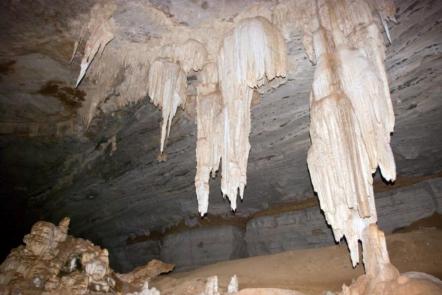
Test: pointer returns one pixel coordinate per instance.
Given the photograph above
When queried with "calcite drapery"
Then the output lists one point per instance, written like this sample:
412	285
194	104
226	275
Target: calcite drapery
253	53
167	90
351	121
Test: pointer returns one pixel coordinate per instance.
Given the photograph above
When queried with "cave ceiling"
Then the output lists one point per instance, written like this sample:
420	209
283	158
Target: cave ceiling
107	176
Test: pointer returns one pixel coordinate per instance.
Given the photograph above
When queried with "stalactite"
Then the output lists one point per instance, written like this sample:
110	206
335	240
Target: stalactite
192	55
351	121
210	133
100	34
253	53
119	80
167	90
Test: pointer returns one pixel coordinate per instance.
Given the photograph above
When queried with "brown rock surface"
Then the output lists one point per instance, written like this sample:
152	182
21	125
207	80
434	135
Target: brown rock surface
52	262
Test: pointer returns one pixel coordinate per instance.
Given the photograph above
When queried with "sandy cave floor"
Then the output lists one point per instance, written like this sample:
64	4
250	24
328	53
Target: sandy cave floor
313	271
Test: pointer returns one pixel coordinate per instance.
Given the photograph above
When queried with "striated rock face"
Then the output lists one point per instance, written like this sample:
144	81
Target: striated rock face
197	247
287	231
306	228
275	232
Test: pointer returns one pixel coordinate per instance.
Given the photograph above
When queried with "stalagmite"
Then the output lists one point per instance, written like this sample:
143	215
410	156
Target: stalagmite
211	286
351	121
167	90
233	286
146	291
253	53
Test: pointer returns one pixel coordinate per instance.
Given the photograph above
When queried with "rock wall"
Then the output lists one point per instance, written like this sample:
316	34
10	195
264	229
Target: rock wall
307	228
291	230
135	254
200	246
275	233
399	208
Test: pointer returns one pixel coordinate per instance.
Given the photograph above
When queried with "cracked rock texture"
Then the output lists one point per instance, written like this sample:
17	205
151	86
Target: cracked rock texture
108	180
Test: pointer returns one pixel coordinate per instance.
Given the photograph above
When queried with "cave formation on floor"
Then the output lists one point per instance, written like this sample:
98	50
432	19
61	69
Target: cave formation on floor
215	72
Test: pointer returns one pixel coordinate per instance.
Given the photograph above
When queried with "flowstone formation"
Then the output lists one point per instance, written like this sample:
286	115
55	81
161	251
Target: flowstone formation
52	262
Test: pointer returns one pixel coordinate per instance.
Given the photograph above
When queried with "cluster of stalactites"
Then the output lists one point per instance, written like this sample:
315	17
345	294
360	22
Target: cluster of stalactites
167	81
351	117
167	90
253	53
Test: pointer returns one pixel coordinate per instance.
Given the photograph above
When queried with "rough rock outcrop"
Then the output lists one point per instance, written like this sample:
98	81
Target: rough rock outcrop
55	263
52	262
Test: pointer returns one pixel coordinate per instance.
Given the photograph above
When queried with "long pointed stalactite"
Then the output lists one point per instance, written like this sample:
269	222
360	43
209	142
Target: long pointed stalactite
210	133
351	122
253	53
167	90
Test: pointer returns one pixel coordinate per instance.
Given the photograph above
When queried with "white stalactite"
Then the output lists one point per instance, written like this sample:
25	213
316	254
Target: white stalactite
351	121
100	34
192	55
253	53
210	133
167	90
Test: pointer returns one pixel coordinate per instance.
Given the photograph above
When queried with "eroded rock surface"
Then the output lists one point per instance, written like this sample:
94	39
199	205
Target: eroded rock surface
52	262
